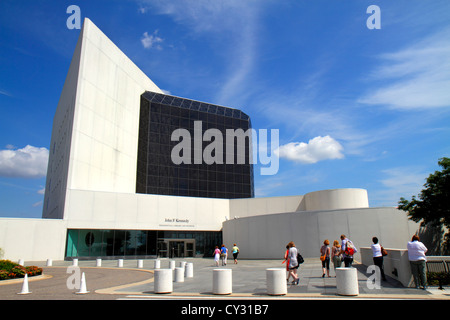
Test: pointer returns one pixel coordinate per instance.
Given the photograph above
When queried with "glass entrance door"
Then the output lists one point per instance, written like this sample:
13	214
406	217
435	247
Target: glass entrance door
176	248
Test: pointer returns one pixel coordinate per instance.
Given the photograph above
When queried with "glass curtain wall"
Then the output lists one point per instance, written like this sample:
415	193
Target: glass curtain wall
91	243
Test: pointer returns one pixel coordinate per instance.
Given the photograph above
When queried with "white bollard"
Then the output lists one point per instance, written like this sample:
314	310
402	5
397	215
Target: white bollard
83	289
25	285
182	264
179	275
20	262
222	281
120	263
276	281
49	262
157	264
98	262
347	281
189	270
140	264
75	262
172	264
163	281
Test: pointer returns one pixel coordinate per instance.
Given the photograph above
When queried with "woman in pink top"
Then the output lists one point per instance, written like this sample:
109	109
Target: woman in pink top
217	256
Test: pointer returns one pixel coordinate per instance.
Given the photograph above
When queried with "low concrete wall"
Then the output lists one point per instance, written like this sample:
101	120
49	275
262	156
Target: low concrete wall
396	264
32	239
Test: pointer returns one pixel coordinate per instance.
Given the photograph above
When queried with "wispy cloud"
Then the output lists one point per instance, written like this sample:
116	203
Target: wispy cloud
231	25
415	77
398	182
151	40
28	162
5	93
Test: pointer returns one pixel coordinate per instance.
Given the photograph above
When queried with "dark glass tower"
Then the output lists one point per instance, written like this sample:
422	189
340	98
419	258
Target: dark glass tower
160	116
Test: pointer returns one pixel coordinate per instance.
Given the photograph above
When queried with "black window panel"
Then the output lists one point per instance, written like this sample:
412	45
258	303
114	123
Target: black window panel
156	172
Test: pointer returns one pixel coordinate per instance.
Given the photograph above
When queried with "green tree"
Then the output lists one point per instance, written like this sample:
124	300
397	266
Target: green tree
432	206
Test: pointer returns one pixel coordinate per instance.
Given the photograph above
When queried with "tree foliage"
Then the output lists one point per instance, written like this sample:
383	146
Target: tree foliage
432	206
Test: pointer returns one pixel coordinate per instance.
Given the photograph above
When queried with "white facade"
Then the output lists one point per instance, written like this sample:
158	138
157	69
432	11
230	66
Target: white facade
91	179
95	128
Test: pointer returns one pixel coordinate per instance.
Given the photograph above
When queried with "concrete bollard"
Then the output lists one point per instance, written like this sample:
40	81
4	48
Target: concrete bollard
179	275
276	281
157	264
182	264
347	281
119	263
75	262
189	270
172	264
222	281
163	281
49	262
140	264
98	262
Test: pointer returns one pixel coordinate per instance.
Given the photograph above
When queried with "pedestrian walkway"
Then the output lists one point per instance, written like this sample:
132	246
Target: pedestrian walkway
111	282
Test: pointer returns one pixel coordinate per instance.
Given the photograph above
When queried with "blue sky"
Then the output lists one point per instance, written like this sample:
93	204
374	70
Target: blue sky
355	107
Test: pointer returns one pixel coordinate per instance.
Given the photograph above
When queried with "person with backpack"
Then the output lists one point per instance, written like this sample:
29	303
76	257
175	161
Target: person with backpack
293	262
348	249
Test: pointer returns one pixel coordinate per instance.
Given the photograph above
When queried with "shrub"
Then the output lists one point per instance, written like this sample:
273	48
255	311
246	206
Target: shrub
435	277
18	271
33	270
7	265
11	270
4	275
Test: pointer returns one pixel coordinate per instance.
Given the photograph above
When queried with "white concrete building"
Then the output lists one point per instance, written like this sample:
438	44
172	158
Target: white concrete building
92	207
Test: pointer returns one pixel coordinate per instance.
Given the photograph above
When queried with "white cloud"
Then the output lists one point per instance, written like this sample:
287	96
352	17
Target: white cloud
317	149
29	162
415	77
151	40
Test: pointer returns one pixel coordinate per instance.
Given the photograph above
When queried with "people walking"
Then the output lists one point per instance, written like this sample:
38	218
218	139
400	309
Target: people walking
235	253
378	256
224	255
348	249
325	258
293	263
336	255
417	261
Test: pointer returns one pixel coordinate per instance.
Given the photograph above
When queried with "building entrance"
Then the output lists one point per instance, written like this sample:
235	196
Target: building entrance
176	248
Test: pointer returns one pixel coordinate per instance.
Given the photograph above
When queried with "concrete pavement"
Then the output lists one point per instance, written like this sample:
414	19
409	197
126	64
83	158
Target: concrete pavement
110	282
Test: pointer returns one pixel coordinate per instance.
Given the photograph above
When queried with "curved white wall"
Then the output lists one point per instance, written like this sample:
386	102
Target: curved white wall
336	199
266	236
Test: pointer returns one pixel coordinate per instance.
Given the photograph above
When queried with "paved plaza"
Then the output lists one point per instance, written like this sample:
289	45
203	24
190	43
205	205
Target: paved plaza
110	282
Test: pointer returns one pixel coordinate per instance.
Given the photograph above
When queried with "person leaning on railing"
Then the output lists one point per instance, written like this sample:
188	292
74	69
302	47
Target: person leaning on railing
417	261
